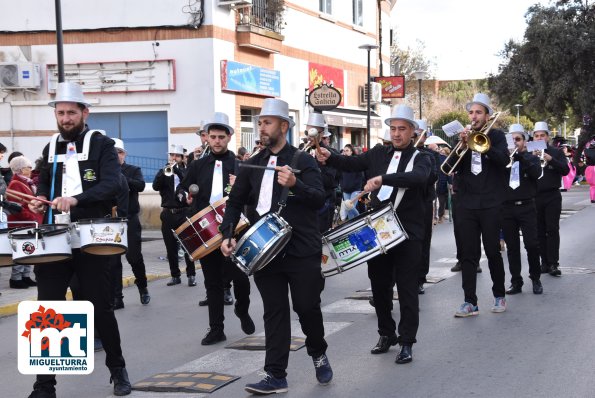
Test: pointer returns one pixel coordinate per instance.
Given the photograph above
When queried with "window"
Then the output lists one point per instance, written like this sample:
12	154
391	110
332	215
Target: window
358	18
248	128
326	6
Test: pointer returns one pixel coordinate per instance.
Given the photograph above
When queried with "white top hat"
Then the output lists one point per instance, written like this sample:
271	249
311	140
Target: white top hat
119	144
519	129
481	99
402	112
69	92
423	125
176	149
277	108
541	126
316	119
203	123
386	136
220	119
326	132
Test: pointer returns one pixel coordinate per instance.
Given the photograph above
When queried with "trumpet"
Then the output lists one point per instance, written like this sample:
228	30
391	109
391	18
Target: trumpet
542	162
168	170
205	151
477	141
509	165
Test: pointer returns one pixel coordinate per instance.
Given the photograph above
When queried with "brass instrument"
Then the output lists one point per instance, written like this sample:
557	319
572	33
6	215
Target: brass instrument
168	170
477	141
509	165
542	162
205	151
254	153
421	135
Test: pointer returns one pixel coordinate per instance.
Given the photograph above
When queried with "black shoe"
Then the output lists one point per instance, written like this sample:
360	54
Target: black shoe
203	303
42	394
227	297
213	336
405	356
20	284
175	280
515	289
121	383
145	298
118	303
384	343
479	270
246	322
456	267
555	271
420	289
537	287
192	280
29	281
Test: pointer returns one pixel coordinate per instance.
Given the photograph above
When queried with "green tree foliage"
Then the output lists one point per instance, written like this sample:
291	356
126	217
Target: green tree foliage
552	72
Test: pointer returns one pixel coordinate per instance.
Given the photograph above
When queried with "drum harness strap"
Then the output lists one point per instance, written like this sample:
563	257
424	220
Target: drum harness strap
285	192
401	191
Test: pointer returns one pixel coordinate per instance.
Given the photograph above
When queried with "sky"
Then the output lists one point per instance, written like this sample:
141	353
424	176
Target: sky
461	37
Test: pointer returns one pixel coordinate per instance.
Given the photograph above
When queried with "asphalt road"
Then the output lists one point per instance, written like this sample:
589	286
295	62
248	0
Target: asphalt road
542	346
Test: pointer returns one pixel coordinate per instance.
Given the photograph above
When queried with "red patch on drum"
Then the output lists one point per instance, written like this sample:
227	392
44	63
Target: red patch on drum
28	248
324	258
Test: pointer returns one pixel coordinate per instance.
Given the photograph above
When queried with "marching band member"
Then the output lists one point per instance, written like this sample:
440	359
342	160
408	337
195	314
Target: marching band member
430	197
398	173
519	212
213	173
297	267
173	214
481	185
86	189
549	201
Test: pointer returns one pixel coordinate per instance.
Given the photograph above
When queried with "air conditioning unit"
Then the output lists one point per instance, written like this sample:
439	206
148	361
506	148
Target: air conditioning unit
235	3
375	94
15	75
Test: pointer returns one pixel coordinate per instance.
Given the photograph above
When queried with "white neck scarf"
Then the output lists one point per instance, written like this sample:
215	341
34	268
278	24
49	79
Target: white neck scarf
217	184
266	188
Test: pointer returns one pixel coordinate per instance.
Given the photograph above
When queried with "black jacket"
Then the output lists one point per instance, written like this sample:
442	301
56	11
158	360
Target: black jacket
136	184
375	162
165	186
529	170
100	177
553	171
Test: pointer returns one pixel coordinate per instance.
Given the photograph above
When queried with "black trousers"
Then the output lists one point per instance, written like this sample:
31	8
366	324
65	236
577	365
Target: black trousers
442	202
428	219
478	225
523	217
549	207
401	264
456	226
93	276
325	217
303	278
218	271
134	256
171	221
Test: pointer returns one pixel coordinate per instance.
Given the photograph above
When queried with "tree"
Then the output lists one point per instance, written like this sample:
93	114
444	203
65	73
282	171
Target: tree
552	72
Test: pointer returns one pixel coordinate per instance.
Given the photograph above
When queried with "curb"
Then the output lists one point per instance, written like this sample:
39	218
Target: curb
128	281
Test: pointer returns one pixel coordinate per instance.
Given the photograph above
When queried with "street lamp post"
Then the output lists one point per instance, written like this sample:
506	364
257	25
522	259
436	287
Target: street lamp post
518	115
368	48
419	76
565	118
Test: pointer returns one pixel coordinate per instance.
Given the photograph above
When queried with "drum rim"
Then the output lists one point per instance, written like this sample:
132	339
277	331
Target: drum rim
37	256
19	233
114	220
257	225
279	242
286	230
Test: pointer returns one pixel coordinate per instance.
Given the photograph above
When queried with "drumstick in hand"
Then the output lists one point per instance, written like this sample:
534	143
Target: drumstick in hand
313	134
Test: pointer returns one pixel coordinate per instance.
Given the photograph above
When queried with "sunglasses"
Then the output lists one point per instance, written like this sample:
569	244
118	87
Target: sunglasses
517	139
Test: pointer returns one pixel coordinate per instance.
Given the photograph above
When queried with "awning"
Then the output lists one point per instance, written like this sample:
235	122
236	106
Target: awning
352	118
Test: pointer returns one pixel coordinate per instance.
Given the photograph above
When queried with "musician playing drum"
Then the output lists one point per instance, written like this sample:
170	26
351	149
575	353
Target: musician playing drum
396	171
213	173
297	267
86	188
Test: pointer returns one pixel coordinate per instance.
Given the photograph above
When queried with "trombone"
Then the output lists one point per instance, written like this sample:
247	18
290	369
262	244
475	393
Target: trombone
509	165
477	141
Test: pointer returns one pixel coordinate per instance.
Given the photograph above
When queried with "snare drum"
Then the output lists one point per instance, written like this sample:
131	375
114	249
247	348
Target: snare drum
200	234
45	244
261	243
103	236
362	238
5	249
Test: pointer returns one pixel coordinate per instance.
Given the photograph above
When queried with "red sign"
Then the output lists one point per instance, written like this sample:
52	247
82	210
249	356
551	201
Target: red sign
392	86
318	74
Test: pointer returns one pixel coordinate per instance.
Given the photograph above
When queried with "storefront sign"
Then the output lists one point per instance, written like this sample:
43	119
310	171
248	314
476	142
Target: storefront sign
319	74
392	86
351	121
250	79
324	98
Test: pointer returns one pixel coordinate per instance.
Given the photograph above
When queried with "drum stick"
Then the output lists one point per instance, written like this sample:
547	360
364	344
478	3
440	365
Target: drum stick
277	168
313	134
25	197
193	189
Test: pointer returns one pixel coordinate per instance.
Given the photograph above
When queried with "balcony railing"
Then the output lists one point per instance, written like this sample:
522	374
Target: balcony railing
266	14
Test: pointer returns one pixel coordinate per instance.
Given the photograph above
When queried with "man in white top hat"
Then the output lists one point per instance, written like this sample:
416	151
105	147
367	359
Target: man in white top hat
549	201
86	186
398	175
296	268
173	213
213	174
481	187
519	212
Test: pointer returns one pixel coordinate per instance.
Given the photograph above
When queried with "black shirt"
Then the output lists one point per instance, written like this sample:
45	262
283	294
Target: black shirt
529	172
165	186
122	202
303	202
431	185
488	188
330	176
136	184
100	177
553	171
375	162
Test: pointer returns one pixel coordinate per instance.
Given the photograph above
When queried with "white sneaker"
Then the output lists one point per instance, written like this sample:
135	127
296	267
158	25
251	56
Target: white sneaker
499	304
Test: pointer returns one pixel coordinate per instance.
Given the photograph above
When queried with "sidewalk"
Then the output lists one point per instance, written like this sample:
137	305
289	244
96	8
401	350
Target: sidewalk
153	249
